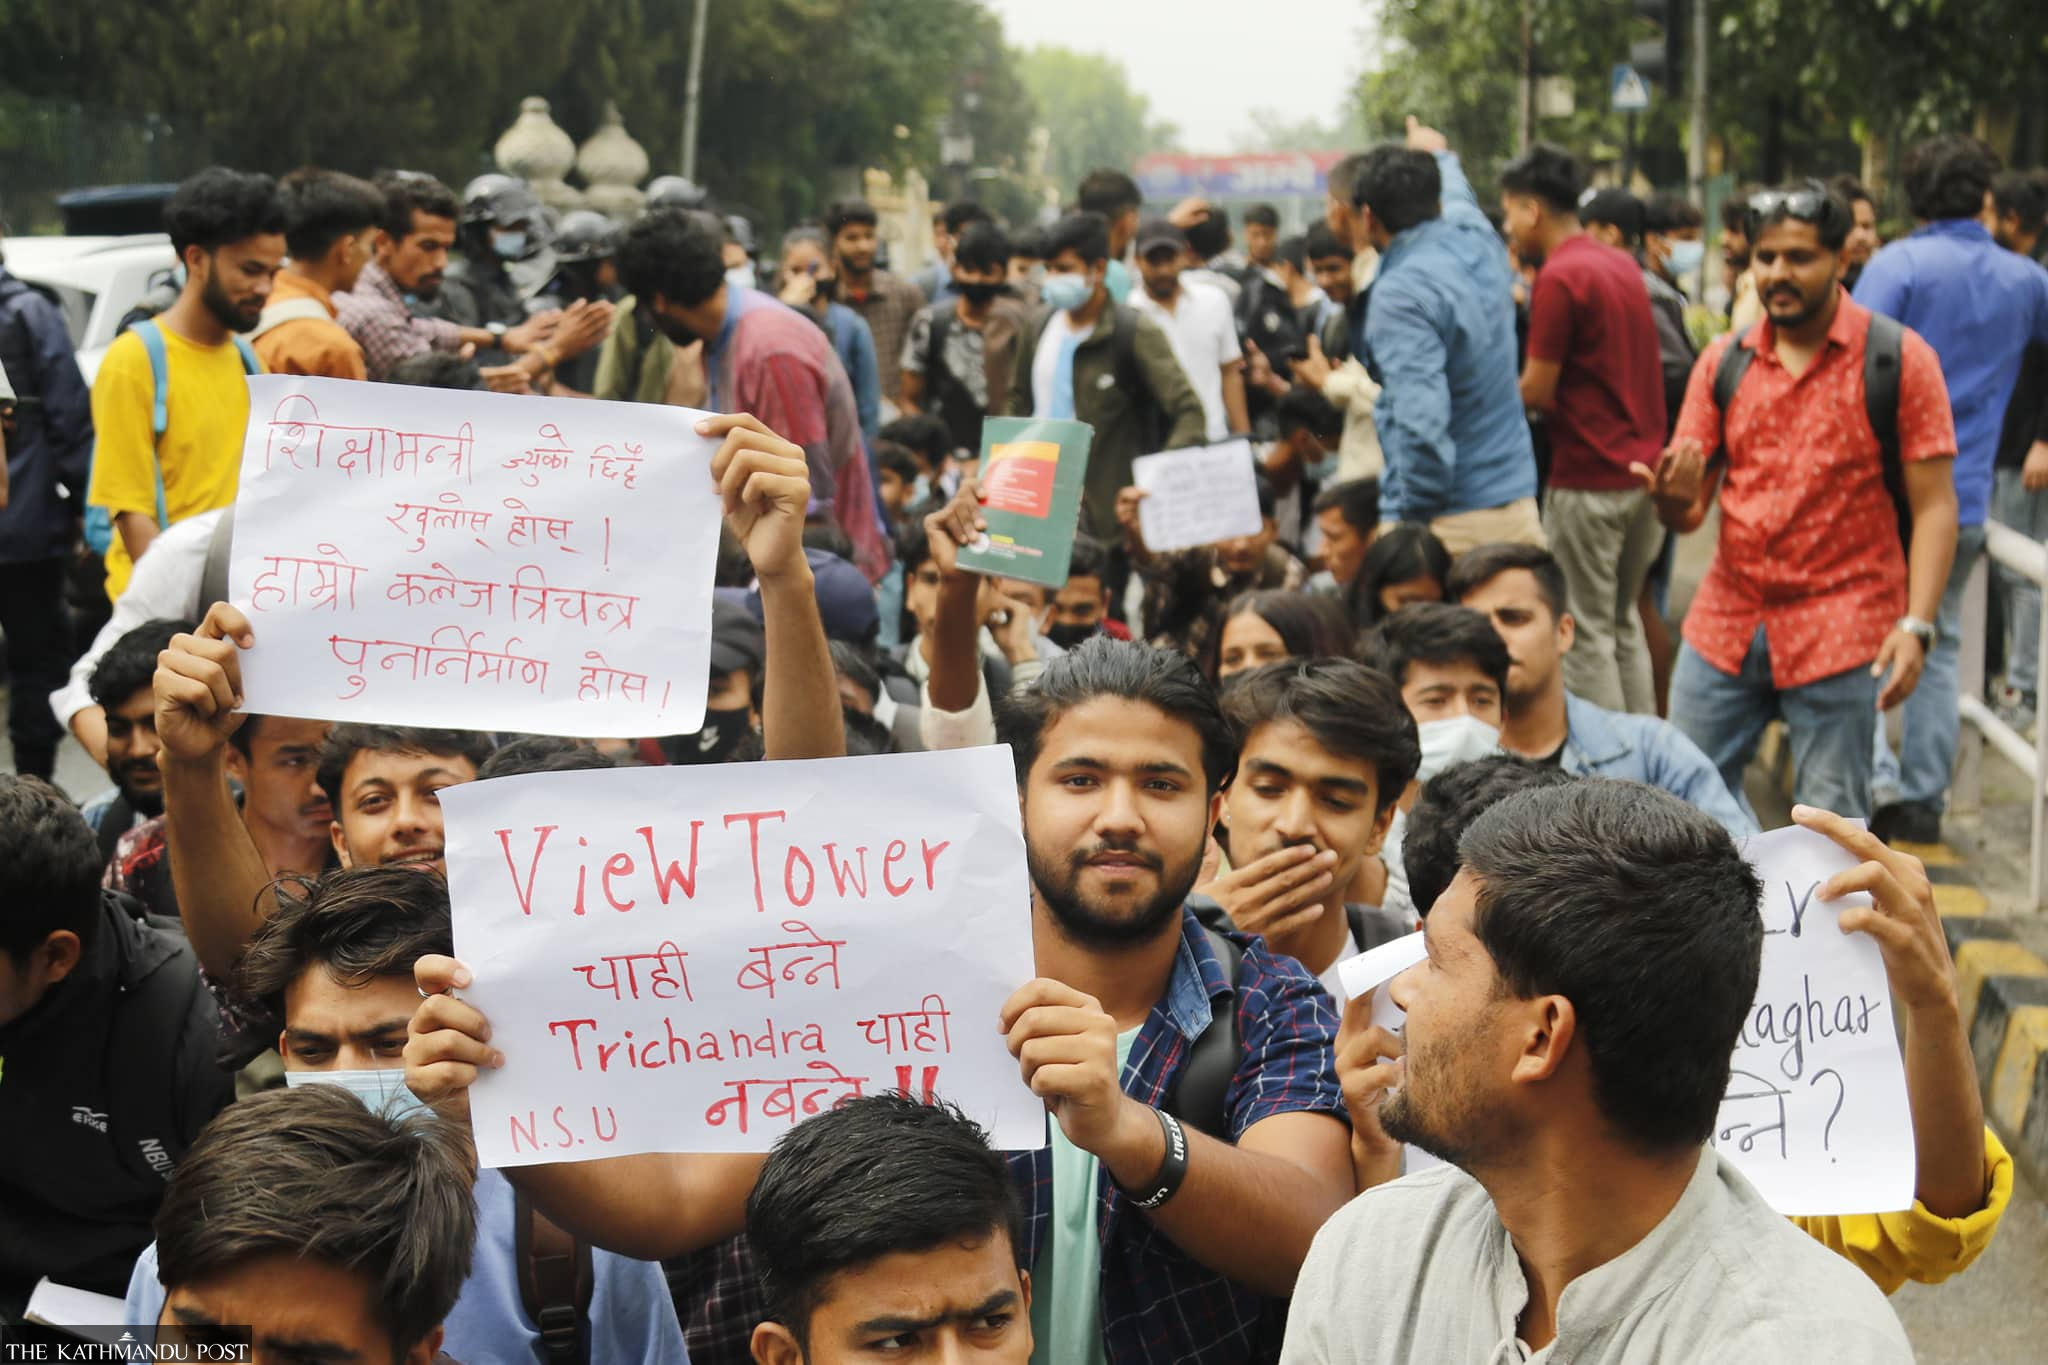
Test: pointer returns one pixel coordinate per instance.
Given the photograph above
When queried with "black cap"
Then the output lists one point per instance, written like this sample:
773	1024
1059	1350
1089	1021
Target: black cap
1157	232
1617	208
736	638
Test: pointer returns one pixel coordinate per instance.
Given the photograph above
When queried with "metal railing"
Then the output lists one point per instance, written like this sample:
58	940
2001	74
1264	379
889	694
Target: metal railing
2029	559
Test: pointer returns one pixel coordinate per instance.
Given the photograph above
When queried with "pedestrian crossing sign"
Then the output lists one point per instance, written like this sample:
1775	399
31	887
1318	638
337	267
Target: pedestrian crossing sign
1628	92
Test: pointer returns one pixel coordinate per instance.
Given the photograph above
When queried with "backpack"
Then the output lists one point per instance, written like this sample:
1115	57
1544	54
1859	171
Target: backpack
944	393
1199	1093
99	523
1130	377
556	1281
1883	349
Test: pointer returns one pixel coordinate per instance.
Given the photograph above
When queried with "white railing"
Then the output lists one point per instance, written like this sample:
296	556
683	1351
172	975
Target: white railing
2029	559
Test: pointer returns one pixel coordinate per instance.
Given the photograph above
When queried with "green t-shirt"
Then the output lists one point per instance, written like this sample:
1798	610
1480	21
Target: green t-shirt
1066	1284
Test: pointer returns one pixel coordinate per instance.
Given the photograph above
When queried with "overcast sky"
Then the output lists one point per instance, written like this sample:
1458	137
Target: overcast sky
1204	63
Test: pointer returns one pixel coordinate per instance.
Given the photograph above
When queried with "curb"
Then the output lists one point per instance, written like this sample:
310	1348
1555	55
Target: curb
2002	988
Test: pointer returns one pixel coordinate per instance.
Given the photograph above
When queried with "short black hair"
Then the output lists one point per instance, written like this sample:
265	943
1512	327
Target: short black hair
410	192
958	214
877	1176
2024	194
1548	173
50	867
1264	215
1211	236
1303	407
321	207
1735	210
1618	209
1438	634
1948	175
1356	500
218	206
1108	192
895	458
1353	711
1163	679
1640	910
359	923
1309	624
843	213
924	433
1401	186
676	254
1399	554
1832	223
1479	566
518	755
1850	190
1446	808
130	662
1343	178
1294	251
913	548
1665	213
982	246
309	1172
344	742
1086	234
1028	242
1090	559
438	370
1321	243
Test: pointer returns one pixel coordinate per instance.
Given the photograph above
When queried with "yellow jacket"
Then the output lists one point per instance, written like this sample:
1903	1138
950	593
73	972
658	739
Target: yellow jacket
1892	1248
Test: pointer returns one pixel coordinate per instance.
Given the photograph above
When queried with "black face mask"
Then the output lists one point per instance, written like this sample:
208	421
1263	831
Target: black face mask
827	287
979	293
1067	636
673	330
723	730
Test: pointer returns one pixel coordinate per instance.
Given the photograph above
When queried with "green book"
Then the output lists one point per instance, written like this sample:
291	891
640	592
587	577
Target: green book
1032	470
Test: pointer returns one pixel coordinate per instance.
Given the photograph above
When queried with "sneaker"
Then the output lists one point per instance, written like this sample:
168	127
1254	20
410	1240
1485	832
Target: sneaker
2015	708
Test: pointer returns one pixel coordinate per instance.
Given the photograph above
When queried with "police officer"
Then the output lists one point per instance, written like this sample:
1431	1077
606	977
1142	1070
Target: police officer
583	247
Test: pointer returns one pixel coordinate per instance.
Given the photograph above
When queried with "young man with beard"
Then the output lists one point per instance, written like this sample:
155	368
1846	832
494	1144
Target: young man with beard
1522	589
886	302
161	457
1120	752
1198	324
1811	609
958	353
1568	1044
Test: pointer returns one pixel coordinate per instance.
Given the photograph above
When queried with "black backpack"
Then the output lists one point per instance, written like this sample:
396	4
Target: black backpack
1882	351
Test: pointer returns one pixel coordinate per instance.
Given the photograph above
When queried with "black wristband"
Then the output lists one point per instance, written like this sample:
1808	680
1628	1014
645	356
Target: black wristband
1172	1171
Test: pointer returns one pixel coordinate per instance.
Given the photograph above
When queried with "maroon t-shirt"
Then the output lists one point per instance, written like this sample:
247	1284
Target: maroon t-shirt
1590	314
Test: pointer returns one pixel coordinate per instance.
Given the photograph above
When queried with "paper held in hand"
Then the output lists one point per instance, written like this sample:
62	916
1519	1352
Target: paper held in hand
477	561
1372	970
1816	1114
692	959
1197	496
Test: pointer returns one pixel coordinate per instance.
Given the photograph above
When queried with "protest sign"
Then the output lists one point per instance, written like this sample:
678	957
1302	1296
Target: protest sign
1372	970
481	561
1197	496
1816	1114
694	959
1032	473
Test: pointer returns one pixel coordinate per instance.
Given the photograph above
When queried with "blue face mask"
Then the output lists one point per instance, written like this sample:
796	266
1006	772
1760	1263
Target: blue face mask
741	276
509	245
1685	258
1325	469
382	1092
1064	293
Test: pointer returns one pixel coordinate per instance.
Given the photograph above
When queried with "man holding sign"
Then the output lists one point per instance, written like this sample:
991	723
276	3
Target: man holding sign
1568	1044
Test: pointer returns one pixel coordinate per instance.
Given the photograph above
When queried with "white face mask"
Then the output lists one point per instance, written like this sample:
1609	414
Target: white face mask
382	1091
1454	740
741	276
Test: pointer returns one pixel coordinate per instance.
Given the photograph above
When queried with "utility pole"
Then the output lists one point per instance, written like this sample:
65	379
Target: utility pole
1696	139
1525	87
693	86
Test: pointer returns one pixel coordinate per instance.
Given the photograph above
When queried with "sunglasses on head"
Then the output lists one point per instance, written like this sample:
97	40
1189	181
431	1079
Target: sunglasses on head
1806	204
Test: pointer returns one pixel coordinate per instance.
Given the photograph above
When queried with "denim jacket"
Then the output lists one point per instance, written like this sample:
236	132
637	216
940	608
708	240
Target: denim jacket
1603	743
1438	333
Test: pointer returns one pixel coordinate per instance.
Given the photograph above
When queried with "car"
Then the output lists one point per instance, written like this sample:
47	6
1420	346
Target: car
95	280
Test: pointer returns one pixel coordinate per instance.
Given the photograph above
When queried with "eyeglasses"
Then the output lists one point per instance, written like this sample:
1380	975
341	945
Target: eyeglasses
1807	204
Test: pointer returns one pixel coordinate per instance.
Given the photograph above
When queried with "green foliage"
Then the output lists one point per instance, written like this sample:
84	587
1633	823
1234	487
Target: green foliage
1094	117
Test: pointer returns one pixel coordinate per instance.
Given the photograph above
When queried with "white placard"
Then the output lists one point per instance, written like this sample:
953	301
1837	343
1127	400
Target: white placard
480	561
1370	970
1816	1115
692	959
1198	496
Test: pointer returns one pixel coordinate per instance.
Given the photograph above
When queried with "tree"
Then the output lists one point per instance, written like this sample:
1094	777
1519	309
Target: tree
1094	117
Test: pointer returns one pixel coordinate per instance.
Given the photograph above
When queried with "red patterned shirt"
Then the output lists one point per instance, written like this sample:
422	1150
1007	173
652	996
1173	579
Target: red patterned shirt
1809	545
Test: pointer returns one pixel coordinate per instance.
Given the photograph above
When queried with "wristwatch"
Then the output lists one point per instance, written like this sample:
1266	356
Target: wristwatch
1923	631
496	329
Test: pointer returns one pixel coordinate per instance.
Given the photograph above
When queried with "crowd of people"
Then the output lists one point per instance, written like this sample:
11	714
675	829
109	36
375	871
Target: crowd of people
1436	687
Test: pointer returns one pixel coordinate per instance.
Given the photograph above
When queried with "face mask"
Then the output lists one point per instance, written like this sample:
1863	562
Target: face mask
1454	740
722	733
979	293
1065	293
1325	469
920	489
673	330
509	245
741	276
1685	258
382	1092
1067	636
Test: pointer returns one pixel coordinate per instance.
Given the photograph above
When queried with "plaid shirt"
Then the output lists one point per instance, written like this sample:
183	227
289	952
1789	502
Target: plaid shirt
374	313
887	308
1158	1304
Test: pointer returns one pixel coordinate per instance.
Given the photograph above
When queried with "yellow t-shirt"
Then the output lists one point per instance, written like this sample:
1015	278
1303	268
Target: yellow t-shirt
207	410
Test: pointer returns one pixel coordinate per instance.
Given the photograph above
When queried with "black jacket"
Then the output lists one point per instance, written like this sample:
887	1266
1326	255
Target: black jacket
49	449
103	1086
